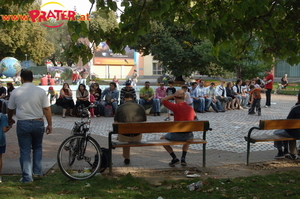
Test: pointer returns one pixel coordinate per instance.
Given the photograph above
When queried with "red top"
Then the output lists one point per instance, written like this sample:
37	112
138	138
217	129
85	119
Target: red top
269	85
52	81
182	111
44	81
256	93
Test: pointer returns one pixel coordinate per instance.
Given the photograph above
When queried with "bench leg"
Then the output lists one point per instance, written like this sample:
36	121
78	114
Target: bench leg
110	161
204	155
248	151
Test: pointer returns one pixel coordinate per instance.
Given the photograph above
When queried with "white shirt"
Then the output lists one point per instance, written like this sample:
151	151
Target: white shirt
29	101
188	98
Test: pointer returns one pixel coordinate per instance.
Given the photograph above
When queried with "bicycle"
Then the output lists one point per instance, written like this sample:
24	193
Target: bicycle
80	156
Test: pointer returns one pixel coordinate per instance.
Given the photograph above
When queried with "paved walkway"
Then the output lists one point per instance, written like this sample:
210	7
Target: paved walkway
226	144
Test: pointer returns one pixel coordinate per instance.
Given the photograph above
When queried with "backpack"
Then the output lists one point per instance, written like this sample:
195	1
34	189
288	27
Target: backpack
108	111
105	158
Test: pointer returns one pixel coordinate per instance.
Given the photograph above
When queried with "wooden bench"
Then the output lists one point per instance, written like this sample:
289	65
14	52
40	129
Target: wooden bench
294	87
270	125
158	127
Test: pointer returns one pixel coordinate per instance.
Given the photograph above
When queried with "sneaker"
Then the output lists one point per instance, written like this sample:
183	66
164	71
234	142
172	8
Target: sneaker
266	106
183	162
21	180
158	113
196	118
0	179
291	156
167	119
174	162
251	113
245	107
280	155
259	113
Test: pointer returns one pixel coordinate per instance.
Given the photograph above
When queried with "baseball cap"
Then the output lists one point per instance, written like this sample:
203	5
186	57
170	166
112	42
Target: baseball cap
268	70
50	88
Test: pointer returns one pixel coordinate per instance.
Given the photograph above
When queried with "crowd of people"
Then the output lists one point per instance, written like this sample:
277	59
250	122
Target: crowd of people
182	104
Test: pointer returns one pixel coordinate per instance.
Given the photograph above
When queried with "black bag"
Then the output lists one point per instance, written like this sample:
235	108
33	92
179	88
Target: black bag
105	158
108	111
59	102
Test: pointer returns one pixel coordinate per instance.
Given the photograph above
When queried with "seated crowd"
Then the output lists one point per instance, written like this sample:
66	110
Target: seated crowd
220	98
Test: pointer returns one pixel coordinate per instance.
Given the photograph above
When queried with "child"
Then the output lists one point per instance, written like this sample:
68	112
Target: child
53	94
255	100
93	101
170	91
3	128
188	98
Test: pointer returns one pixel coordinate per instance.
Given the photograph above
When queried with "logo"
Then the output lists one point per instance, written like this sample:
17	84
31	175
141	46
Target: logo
42	16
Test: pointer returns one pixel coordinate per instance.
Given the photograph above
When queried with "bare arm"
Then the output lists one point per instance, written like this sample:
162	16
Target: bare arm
10	113
168	97
48	115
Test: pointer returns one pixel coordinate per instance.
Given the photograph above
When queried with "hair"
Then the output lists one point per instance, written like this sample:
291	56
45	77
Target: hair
193	83
244	83
184	87
258	81
84	87
213	84
134	70
127	84
227	84
113	83
26	75
10	84
147	82
92	90
66	90
171	82
238	81
252	86
128	95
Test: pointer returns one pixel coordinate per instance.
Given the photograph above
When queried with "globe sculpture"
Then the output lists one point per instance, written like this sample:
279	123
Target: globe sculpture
10	66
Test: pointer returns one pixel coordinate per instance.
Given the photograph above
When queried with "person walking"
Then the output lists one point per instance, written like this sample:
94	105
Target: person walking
31	103
135	76
269	79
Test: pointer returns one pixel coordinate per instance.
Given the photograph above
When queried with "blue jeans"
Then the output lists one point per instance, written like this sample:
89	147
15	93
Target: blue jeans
201	102
114	105
179	136
207	103
156	105
30	136
142	102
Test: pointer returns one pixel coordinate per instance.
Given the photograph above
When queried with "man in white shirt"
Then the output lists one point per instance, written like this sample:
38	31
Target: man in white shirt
31	103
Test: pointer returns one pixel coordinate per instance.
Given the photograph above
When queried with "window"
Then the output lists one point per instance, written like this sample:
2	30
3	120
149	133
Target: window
156	68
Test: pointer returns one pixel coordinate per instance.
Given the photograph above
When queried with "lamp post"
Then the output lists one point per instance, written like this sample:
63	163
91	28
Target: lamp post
26	57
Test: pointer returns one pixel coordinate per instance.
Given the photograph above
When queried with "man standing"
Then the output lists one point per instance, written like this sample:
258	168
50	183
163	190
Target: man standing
135	76
182	112
129	112
269	79
31	103
146	96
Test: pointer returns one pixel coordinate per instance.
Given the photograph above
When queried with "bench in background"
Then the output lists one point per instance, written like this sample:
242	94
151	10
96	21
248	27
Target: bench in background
270	125
158	127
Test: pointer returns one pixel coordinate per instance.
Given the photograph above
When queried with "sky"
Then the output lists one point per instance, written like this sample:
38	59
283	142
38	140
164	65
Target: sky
82	6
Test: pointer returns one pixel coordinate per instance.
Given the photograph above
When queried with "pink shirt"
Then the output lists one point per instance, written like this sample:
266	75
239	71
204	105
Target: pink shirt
160	93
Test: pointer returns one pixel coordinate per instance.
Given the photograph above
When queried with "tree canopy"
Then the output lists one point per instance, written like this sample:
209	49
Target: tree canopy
272	24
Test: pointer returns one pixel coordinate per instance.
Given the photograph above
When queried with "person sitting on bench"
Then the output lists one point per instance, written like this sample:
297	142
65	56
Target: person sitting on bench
182	112
294	133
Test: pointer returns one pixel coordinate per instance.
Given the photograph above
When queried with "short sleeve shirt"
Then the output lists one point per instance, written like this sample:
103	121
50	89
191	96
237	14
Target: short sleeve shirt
29	101
149	91
3	123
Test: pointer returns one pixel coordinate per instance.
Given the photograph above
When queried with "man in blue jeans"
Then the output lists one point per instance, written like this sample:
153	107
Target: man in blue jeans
31	103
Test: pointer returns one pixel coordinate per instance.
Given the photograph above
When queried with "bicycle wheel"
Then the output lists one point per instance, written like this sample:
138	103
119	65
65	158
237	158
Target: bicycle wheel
79	158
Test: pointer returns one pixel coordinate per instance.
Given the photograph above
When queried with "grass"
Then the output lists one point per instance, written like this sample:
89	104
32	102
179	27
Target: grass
55	185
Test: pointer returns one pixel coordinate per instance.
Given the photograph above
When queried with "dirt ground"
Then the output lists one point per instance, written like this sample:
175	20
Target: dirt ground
224	172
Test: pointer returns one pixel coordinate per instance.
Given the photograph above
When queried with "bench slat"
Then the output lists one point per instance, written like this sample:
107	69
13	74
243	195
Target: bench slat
161	142
150	127
279	124
267	137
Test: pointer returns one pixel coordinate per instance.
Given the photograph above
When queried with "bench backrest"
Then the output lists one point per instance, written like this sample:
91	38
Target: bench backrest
150	127
279	124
